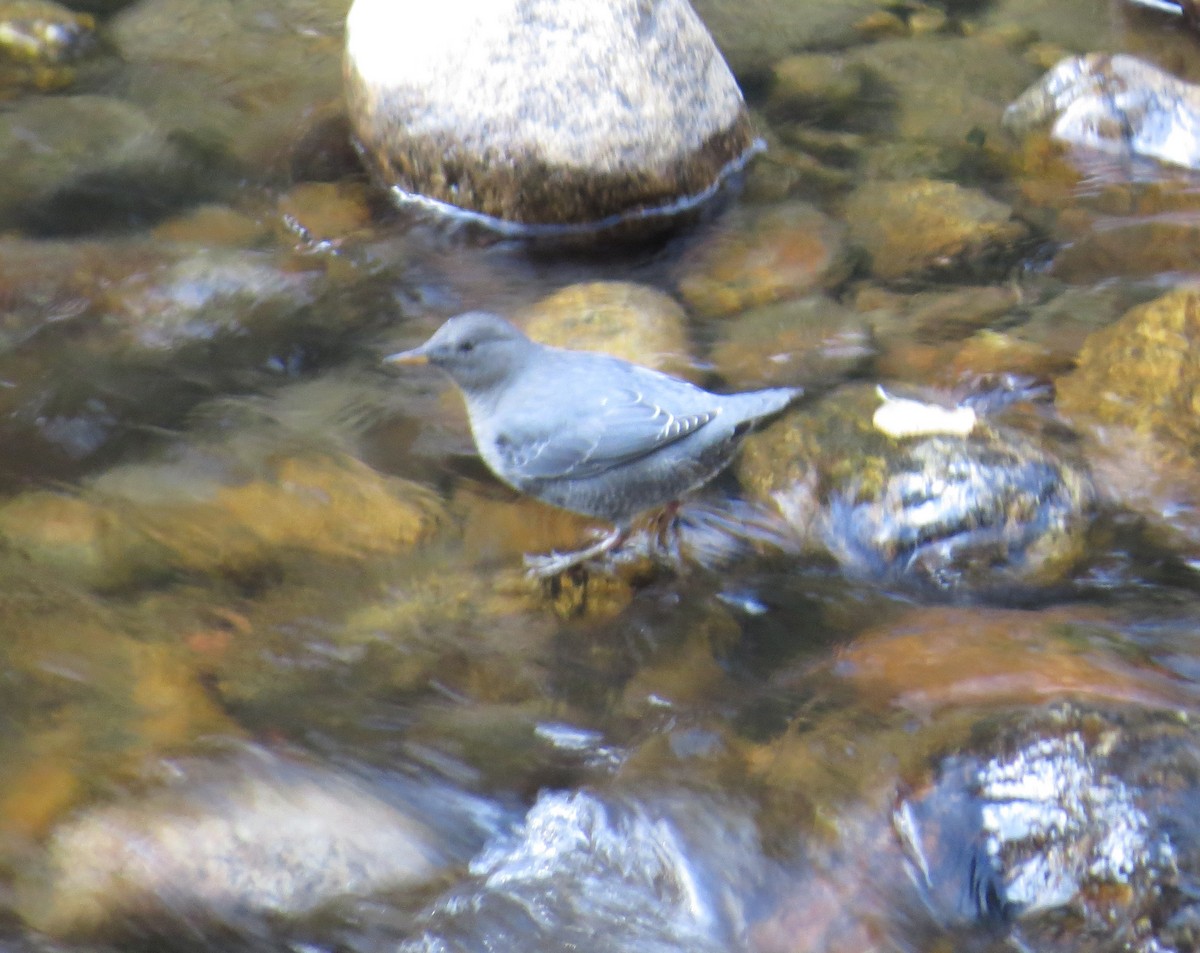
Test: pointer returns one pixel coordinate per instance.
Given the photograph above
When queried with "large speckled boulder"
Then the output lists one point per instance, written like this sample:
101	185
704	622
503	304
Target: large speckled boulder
536	112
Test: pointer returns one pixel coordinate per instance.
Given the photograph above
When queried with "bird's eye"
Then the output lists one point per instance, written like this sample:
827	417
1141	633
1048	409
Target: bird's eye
466	347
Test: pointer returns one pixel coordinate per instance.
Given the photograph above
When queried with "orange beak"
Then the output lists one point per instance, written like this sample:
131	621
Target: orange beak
416	356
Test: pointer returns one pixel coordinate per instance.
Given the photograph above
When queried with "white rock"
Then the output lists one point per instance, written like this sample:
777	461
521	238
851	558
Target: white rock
540	111
1117	105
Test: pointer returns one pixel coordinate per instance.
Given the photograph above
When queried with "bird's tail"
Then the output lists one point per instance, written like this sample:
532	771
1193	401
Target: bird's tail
764	403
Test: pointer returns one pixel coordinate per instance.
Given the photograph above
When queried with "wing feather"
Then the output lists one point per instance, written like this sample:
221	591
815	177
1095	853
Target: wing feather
617	428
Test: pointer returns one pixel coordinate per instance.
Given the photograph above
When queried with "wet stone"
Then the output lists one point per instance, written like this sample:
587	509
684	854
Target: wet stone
818	87
1143	372
1118	105
943	104
204	295
214	225
936	660
950	510
75	538
882	25
807	341
988	356
1131	248
79	163
1134	394
756	33
323	506
224	844
931	316
954	337
924	227
493	126
177	52
1070	25
413	629
326	213
120	699
753	257
1072	826
38	39
633	322
784	172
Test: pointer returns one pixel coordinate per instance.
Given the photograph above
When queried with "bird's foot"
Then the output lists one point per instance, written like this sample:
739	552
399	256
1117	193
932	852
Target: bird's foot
553	563
667	535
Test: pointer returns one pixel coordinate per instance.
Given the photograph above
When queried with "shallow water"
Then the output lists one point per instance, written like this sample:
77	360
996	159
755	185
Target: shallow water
273	677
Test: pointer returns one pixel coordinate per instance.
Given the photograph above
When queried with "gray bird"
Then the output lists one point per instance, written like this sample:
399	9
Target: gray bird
584	431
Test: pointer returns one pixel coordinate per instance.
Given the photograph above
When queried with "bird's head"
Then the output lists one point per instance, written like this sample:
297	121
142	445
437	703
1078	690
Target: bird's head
478	350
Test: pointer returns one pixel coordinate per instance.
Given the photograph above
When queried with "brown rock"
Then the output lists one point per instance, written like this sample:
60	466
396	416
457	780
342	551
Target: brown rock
754	257
321	212
819	84
633	322
805	341
916	227
1143	372
328	508
1133	248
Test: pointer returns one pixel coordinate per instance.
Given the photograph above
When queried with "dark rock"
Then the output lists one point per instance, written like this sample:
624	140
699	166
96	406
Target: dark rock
82	163
1073	826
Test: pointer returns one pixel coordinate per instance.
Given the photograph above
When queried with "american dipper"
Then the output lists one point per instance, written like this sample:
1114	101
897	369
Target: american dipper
584	431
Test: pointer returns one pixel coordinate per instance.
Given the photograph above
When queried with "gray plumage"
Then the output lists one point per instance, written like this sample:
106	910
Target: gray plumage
585	431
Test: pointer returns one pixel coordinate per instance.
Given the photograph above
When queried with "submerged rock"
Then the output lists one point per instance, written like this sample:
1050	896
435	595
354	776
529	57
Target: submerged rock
607	872
238	81
224	844
754	256
322	505
755	33
944	99
77	163
1143	372
479	106
809	341
1117	105
941	498
630	321
1074	827
925	227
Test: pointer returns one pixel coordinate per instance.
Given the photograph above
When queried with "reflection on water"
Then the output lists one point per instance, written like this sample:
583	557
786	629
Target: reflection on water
273	677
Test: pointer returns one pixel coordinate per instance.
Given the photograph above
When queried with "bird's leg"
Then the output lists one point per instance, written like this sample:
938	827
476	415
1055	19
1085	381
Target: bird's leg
543	567
666	525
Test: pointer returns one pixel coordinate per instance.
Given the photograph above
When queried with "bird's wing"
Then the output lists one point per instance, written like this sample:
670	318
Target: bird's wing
607	431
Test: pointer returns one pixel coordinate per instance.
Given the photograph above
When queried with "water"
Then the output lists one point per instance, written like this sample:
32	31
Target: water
274	679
